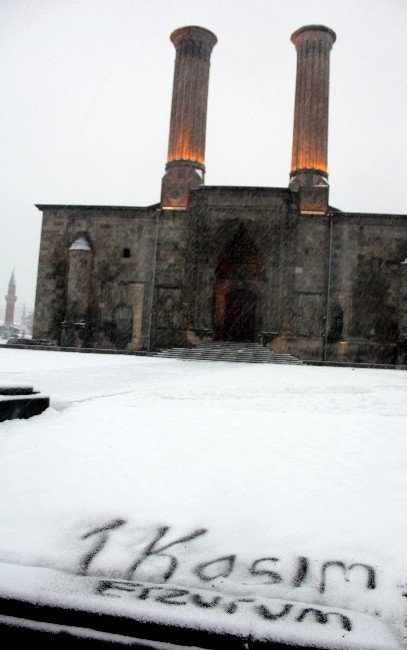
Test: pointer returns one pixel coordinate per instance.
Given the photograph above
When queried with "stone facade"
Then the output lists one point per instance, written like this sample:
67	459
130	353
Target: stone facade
330	286
273	265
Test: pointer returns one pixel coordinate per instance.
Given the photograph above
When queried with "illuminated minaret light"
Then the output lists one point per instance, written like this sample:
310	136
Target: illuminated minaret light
309	166
185	168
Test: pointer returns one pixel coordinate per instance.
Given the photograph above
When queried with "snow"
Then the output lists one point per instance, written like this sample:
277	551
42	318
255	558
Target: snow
80	244
284	486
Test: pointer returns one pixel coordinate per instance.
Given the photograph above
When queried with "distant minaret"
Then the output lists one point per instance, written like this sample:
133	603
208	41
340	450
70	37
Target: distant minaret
11	300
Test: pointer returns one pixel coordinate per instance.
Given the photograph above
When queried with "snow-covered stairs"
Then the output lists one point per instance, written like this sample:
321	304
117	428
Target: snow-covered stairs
228	351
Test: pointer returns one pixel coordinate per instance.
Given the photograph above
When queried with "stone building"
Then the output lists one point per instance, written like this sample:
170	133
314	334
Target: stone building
278	266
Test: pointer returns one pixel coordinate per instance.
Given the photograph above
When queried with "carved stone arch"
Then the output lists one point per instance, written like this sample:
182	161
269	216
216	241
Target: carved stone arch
230	229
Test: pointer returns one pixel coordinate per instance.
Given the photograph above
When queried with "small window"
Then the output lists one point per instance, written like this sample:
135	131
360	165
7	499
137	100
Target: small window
375	263
126	252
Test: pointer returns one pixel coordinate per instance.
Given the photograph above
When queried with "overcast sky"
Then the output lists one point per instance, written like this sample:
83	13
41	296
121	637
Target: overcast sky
86	94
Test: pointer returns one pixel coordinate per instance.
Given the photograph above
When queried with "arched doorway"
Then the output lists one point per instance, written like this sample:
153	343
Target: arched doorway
239	286
240	316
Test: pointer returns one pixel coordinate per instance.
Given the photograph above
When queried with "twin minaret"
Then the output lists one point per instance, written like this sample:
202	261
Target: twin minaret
185	167
309	164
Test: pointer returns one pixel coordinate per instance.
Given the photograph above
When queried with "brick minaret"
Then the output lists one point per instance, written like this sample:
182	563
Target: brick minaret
11	300
185	167
309	166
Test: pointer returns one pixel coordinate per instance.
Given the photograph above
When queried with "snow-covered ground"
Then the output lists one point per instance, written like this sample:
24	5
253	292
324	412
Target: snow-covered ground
243	495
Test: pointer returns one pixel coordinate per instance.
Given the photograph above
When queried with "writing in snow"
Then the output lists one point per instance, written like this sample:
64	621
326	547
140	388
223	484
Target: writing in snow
161	556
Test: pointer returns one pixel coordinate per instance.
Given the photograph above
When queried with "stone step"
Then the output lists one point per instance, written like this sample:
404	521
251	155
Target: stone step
244	352
16	404
17	390
292	360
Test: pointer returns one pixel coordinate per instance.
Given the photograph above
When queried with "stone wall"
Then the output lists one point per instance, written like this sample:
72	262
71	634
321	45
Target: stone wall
326	286
123	241
367	251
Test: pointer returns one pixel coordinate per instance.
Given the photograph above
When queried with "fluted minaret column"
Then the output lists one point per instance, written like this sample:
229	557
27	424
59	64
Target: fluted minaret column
309	166
186	149
11	300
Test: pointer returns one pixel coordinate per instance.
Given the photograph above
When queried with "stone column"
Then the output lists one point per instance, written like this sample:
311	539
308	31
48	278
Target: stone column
137	303
309	166
186	149
75	328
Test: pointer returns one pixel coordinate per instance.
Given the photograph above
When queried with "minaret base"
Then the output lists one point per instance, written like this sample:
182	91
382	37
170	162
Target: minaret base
313	188
179	179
